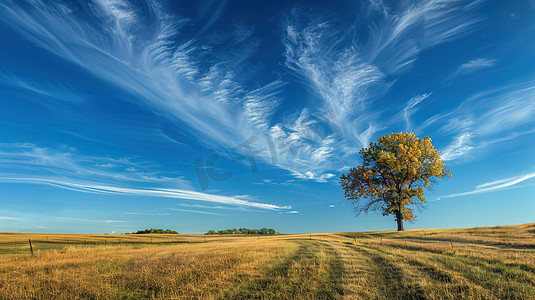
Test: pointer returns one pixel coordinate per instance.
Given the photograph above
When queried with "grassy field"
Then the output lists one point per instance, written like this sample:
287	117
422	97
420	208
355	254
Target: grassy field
475	263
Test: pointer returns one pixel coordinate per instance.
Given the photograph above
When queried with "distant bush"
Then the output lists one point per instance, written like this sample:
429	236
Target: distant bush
159	231
263	231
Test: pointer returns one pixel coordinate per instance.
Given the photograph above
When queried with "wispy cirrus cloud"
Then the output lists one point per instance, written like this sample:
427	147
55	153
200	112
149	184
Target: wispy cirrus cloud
476	65
21	158
203	206
487	118
90	220
506	182
149	192
406	29
182	77
350	73
146	214
471	67
67	169
510	109
493	186
190	80
410	108
140	52
11	218
341	78
44	88
460	146
195	211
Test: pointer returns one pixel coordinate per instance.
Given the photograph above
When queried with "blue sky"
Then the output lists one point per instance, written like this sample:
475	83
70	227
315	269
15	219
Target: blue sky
196	115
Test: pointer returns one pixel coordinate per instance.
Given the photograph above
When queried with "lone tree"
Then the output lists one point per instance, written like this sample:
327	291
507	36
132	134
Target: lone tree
393	175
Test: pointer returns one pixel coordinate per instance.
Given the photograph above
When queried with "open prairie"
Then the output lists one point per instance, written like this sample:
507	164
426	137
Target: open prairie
475	263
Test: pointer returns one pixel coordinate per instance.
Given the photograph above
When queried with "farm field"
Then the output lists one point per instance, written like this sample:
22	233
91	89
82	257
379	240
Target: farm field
474	263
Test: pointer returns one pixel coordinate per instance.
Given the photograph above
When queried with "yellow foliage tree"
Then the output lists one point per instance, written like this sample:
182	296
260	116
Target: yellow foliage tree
394	172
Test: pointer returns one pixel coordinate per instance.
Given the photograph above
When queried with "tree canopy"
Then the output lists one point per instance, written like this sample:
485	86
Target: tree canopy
263	231
159	231
393	174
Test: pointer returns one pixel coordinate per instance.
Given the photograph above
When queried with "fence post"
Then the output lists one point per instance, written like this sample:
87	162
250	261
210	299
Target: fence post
451	242
381	240
31	248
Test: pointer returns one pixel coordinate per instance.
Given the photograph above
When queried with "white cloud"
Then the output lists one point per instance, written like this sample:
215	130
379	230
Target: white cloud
324	151
148	192
146	214
488	118
260	104
476	65
349	74
313	176
503	183
66	161
493	186
458	148
52	168
50	90
410	108
341	78
343	169
218	207
471	67
11	218
195	211
188	81
399	36
89	220
513	108
141	52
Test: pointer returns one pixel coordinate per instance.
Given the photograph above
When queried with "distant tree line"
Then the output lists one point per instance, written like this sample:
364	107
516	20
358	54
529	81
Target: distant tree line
264	231
159	231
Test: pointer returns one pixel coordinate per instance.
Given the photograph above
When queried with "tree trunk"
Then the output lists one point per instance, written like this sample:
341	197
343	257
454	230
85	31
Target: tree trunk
399	218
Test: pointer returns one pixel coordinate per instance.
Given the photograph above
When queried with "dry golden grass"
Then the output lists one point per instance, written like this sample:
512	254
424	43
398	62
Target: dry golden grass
476	263
134	271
